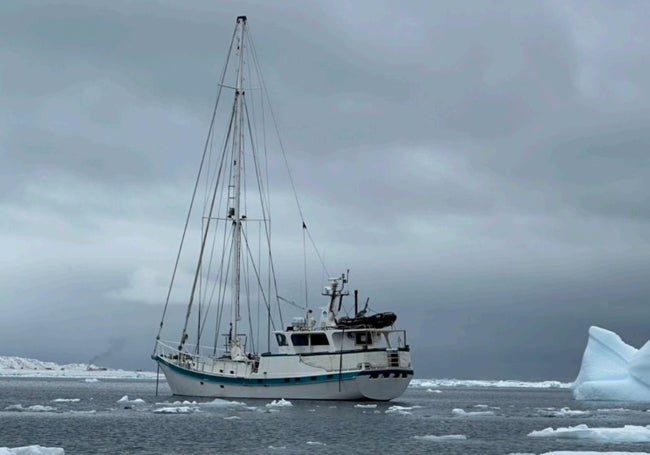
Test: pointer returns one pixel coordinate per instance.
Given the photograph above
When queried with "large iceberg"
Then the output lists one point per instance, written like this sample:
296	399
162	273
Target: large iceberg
613	370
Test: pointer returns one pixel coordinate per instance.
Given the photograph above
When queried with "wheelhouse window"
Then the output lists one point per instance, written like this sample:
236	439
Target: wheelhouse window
313	339
282	339
319	339
300	339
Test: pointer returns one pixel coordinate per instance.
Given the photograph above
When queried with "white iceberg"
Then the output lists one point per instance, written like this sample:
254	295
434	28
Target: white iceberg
613	370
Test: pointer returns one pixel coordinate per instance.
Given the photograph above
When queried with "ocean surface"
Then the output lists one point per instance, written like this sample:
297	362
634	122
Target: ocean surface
124	416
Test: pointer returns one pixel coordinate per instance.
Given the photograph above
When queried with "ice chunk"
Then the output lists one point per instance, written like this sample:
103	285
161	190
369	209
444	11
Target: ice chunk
125	399
433	383
220	403
563	412
34	408
613	370
32	450
281	403
175	410
580	452
403	410
628	433
462	412
445	437
365	406
67	400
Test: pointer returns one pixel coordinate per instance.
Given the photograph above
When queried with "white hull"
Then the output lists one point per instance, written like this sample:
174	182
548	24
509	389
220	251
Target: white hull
310	383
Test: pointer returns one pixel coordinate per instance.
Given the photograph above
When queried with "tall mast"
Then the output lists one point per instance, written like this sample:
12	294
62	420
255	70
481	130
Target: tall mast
236	350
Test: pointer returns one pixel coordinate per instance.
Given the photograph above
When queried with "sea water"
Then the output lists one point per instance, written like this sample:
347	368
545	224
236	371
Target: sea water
125	416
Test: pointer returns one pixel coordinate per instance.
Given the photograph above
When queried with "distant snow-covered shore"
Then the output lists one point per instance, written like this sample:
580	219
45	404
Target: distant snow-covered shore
16	367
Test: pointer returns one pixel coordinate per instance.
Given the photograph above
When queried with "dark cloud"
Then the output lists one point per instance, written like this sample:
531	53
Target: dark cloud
481	167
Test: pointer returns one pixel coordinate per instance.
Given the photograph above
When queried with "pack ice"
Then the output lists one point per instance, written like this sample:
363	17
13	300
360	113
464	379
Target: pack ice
613	370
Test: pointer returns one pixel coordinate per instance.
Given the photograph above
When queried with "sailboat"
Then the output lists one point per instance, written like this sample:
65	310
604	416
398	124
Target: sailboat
327	353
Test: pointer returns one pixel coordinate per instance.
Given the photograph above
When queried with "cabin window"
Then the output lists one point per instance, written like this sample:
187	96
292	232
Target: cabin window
319	339
300	339
282	340
363	338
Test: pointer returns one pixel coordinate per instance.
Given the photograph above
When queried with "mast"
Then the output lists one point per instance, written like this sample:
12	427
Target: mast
236	351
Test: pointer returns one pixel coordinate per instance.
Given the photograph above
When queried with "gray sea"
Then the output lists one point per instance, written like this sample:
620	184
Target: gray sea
96	418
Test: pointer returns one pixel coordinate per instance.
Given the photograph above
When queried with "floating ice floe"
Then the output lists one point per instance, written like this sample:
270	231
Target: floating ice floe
562	412
91	380
34	408
232	418
125	399
613	370
434	391
580	452
281	403
177	403
403	410
220	403
365	406
316	443
434	383
175	410
486	406
463	413
32	450
445	437
66	400
628	433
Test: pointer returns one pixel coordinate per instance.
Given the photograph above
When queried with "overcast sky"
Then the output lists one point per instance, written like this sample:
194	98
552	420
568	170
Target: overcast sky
482	167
